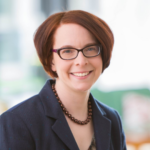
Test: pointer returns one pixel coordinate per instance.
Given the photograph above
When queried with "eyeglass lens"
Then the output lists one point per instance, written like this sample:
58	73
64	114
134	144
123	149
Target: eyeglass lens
70	53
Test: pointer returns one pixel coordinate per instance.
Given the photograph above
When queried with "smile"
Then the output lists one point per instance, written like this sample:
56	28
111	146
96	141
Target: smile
81	74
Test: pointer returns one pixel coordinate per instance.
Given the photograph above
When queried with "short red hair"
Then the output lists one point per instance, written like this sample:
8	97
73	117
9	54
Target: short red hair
44	36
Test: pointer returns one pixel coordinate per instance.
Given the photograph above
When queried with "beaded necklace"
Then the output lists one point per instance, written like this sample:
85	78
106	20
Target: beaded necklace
66	112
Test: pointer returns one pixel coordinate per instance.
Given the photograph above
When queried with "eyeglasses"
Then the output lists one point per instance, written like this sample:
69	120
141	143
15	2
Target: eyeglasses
72	53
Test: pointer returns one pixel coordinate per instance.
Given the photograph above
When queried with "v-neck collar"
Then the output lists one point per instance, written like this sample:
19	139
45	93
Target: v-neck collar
102	125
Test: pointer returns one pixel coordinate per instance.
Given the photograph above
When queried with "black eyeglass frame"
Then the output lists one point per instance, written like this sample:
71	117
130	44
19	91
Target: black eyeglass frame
79	50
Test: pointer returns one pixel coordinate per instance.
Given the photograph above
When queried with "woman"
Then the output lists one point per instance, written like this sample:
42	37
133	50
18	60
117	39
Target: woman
74	48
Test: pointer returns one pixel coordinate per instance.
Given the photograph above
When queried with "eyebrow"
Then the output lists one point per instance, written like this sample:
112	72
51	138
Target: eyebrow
70	46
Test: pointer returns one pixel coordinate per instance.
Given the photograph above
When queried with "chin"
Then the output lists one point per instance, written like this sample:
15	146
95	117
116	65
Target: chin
82	88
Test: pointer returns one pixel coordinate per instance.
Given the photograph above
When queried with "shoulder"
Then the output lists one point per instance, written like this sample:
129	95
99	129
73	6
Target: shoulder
27	104
116	124
15	124
32	108
23	109
21	116
111	114
106	110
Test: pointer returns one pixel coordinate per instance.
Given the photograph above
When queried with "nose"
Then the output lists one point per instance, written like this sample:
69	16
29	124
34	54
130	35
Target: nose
80	60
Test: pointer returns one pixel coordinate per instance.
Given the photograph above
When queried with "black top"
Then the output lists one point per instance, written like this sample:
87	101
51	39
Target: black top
38	123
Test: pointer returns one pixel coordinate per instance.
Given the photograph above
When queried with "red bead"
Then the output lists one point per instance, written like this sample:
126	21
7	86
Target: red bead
69	116
90	106
90	114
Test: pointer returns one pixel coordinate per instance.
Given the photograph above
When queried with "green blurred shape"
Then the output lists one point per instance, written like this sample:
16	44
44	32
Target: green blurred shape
114	99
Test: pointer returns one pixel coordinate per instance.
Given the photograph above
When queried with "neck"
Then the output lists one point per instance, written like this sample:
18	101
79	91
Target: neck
75	101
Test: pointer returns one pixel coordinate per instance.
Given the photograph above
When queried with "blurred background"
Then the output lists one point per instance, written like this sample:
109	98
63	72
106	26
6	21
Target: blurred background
125	85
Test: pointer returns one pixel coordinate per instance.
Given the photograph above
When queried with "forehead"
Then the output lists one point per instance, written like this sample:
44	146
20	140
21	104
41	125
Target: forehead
72	34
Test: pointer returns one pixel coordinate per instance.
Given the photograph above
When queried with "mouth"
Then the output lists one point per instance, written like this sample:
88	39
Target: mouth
81	74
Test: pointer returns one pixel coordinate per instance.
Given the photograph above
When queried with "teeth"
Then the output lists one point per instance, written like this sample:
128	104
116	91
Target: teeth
81	74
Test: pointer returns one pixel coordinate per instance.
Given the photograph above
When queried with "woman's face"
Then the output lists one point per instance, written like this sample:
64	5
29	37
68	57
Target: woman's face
80	73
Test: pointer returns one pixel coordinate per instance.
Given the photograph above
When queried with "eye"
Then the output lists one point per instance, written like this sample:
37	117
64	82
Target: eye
66	51
90	49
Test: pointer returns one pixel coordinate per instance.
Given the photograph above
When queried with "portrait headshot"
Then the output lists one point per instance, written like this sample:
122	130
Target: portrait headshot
74	48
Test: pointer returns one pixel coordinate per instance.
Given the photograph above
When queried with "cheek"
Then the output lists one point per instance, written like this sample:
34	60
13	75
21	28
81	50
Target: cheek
57	63
99	63
63	67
